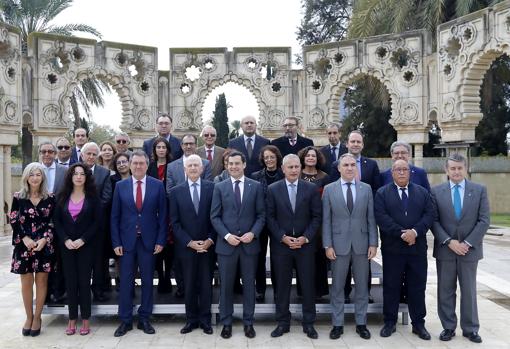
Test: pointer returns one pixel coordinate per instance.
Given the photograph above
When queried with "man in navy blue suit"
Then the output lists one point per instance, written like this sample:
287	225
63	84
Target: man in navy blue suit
404	213
249	140
190	208
138	228
334	149
163	128
81	136
291	142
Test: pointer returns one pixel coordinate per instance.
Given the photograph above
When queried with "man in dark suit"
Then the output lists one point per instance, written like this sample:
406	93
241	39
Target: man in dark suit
291	142
401	150
138	228
238	216
210	151
190	209
293	215
163	129
404	213
334	149
462	219
81	136
249	140
101	276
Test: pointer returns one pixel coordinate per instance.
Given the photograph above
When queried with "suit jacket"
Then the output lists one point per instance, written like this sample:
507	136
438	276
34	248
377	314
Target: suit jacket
86	225
60	173
175	145
217	161
285	148
125	217
343	230
186	223
74	156
369	173
281	220
418	176
175	173
472	226
326	151
103	184
391	218
253	164
226	218
152	171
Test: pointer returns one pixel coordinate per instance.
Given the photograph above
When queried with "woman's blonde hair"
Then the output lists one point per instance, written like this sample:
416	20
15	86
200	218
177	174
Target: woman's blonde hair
24	192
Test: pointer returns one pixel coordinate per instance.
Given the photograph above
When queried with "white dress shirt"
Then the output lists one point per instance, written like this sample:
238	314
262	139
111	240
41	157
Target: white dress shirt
190	183
252	141
135	186
344	189
241	189
50	173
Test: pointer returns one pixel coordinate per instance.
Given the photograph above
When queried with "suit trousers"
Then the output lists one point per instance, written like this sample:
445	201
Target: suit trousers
447	273
145	261
77	270
415	269
100	266
339	270
227	266
304	260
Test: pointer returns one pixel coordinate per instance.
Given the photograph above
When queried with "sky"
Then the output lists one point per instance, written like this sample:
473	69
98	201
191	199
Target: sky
191	23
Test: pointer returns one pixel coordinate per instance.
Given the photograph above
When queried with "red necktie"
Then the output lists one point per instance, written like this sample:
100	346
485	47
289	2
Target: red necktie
209	154
139	195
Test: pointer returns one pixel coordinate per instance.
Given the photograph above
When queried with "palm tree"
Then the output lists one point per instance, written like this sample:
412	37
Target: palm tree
236	126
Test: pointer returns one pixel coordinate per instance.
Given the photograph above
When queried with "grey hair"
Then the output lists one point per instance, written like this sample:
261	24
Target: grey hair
123	134
206	127
88	145
249	116
334	124
24	192
192	157
46	143
400	144
288	157
139	153
455	157
346	155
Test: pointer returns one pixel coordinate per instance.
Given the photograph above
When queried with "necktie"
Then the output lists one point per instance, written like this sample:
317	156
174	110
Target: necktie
249	147
292	196
139	195
358	173
209	155
350	200
196	200
457	205
333	154
237	192
292	142
404	199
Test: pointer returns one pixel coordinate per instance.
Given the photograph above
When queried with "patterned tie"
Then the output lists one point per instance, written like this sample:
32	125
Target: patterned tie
404	199
139	196
292	196
350	200
209	155
457	204
196	200
249	147
237	192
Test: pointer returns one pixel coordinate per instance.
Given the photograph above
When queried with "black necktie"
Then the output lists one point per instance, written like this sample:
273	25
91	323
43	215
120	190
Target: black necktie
237	192
404	199
350	200
249	147
333	154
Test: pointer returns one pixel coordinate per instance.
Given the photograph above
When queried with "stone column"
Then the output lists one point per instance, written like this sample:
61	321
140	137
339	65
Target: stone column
6	188
418	155
3	177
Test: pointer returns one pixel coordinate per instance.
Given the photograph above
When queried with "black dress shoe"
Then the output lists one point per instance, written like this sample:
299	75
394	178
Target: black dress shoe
35	333
421	332
25	332
387	330
206	328
310	332
279	331
473	336
447	335
336	332
249	331
370	299
188	328
179	293
123	329
226	332
100	297
146	327
260	297
347	300
363	331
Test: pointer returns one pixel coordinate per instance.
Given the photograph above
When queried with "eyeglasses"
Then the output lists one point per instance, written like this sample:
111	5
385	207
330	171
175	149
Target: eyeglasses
400	152
121	141
332	133
62	147
49	151
209	135
121	162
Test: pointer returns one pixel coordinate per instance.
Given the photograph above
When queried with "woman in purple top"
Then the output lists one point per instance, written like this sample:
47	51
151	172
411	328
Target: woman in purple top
76	222
32	236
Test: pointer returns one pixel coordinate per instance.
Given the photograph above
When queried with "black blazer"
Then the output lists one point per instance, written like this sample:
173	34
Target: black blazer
326	151
253	164
152	171
369	173
285	148
175	145
86	225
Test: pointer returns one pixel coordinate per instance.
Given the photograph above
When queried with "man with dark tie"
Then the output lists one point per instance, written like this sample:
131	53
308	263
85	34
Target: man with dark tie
293	217
210	151
163	128
334	149
249	144
291	142
349	236
138	228
404	213
80	136
462	219
238	216
190	209
63	152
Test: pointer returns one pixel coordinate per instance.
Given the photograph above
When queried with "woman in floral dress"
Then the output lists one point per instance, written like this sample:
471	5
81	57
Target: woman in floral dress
30	218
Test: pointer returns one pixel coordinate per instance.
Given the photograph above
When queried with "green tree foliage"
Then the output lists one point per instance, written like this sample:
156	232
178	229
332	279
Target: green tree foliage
220	120
236	126
100	133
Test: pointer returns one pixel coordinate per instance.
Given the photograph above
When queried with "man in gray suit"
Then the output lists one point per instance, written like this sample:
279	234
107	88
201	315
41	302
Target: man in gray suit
238	216
462	219
349	236
175	170
210	151
54	172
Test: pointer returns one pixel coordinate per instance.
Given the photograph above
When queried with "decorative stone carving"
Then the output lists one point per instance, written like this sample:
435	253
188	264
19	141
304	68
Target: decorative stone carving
449	110
275	119
52	116
10	114
316	119
8	52
408	114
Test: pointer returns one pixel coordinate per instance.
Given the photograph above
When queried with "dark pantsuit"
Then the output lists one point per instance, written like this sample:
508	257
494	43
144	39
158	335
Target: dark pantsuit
77	270
56	279
261	264
415	269
100	266
164	262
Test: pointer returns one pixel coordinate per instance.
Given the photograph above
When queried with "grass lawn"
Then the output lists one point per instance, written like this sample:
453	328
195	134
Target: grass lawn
502	219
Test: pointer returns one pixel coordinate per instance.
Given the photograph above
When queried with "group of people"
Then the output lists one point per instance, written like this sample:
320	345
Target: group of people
178	207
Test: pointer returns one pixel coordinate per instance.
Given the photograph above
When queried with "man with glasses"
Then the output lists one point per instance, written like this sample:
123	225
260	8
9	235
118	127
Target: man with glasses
80	136
210	151
63	152
122	142
334	149
163	129
291	142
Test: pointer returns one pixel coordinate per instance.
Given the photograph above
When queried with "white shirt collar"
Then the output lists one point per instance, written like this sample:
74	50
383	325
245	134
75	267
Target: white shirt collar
398	187
190	182
234	180
143	180
462	184
289	183
344	181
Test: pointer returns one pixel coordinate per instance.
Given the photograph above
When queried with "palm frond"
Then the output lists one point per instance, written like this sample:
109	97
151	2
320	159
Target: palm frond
403	17
463	7
366	18
70	29
432	15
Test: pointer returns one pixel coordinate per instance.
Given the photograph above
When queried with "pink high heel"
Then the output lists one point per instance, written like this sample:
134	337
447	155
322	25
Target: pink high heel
70	330
85	329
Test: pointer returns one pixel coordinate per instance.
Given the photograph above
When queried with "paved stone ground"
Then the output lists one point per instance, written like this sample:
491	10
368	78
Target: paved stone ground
493	302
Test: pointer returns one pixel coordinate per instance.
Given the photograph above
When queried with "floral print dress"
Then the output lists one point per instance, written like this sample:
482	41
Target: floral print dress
35	222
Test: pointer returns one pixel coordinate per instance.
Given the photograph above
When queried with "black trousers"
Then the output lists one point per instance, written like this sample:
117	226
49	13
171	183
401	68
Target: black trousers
164	262
56	279
100	266
77	269
260	277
